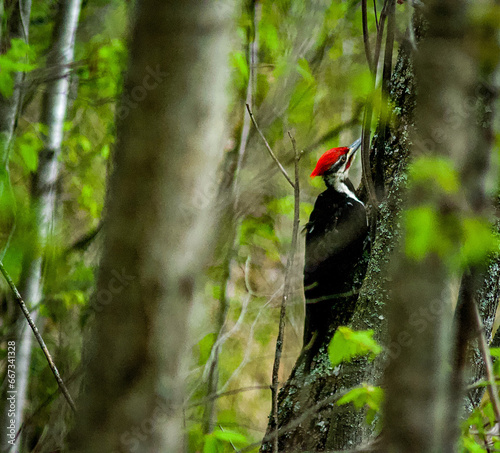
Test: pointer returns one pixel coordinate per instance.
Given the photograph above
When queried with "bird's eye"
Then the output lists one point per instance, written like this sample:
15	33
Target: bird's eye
343	158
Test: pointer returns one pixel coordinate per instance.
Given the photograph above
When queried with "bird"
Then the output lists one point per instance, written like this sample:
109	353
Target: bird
336	238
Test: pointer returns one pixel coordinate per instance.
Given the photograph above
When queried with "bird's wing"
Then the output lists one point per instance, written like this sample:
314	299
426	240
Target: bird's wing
335	227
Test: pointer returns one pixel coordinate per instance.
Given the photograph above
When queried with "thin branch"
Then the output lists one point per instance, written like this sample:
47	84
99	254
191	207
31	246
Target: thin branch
375	12
365	156
366	38
253	53
387	68
248	348
223	337
286	295
232	445
380	33
215	396
353	121
285	174
389	46
234	187
490	375
39	338
83	242
51	397
367	119
296	422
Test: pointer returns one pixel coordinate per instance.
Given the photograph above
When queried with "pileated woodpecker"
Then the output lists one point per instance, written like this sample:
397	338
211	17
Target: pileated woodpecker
336	236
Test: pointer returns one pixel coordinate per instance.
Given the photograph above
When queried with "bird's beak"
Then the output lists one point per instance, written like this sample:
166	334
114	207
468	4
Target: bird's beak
352	151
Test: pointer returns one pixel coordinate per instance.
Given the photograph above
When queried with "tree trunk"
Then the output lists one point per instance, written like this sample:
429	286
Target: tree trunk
17	27
418	380
44	186
155	239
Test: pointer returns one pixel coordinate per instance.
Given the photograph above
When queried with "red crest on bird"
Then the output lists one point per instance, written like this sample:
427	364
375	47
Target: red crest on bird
328	159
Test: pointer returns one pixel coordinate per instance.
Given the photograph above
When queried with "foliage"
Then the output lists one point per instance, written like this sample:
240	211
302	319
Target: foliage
311	77
433	229
16	59
348	344
366	395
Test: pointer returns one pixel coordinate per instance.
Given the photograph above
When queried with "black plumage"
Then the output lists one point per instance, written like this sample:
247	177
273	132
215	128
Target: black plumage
336	237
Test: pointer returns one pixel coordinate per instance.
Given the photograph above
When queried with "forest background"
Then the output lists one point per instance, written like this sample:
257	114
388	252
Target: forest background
302	69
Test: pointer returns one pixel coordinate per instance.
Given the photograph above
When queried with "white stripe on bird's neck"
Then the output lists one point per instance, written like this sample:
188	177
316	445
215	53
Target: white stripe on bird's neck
337	181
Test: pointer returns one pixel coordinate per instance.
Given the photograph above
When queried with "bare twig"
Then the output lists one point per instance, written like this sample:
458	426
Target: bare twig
253	52
375	12
353	121
365	156
248	348
213	376
83	242
366	38
39	338
286	295
232	445
387	69
297	421
389	46
228	393
271	153
380	32
367	118
223	337
490	375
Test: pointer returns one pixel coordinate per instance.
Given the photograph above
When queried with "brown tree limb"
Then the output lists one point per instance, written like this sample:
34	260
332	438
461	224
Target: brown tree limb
84	241
268	147
380	32
227	393
39	338
490	375
366	38
365	156
387	69
367	117
286	295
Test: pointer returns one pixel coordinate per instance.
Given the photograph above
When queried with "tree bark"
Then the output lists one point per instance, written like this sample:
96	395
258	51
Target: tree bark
155	239
418	381
43	192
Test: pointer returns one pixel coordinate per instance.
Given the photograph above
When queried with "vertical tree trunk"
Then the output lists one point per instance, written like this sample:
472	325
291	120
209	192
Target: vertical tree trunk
417	379
17	26
44	185
168	147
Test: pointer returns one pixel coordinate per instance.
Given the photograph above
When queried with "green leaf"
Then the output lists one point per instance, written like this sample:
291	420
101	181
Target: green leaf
422	227
230	436
366	395
211	444
479	241
436	170
305	71
239	62
28	146
16	59
269	36
471	446
205	345
347	344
